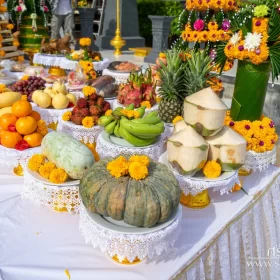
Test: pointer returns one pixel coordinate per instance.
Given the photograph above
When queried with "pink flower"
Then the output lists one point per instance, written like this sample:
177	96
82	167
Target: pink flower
19	9
46	9
198	25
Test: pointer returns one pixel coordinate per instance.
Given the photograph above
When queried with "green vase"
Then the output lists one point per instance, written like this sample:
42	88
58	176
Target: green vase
29	40
249	90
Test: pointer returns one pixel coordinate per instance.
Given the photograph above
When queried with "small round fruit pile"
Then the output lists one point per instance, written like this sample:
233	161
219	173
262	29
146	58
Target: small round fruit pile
56	97
27	87
93	106
23	128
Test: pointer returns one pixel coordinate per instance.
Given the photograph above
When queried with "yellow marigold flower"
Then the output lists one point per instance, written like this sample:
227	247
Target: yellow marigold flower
212	169
138	171
20	58
118	167
88	90
158	98
2	88
92	147
10	26
260	25
236	188
244	128
147	104
42	127
15	43
177	119
136	115
46	169
92	73
130	114
3	9
85	42
213	35
162	55
24	97
75	56
66	116
25	78
216	84
58	176
35	162
2	53
108	112
142	159
212	25
88	122
96	58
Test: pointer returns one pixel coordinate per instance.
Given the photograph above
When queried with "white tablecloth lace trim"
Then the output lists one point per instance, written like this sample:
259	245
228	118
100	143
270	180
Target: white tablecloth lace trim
117	104
190	185
13	157
245	241
65	63
51	115
121	78
50	195
106	149
87	135
129	246
259	161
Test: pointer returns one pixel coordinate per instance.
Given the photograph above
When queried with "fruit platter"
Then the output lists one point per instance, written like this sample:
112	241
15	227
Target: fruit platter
52	181
129	130
82	122
139	91
155	208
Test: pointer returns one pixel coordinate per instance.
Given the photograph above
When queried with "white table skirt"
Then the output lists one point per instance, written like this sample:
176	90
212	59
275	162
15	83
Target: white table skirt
37	243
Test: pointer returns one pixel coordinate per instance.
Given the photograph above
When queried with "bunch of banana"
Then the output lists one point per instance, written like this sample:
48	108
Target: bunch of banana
139	132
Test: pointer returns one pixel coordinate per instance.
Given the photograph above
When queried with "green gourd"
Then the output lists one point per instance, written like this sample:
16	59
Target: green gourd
142	203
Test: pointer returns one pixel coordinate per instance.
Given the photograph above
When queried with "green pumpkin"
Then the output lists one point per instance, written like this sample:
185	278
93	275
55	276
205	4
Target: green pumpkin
142	203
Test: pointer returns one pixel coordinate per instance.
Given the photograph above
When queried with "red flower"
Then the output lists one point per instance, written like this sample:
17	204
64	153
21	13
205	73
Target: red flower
12	128
22	145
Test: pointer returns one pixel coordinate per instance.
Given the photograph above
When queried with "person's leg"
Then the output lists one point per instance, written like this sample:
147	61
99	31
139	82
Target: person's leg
69	25
56	24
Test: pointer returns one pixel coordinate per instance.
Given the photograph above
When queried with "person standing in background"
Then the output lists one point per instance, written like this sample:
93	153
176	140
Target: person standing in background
63	16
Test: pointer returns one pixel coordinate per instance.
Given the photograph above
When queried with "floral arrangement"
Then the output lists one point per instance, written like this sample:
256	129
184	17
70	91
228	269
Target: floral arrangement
256	35
203	5
88	69
260	135
136	167
47	169
212	169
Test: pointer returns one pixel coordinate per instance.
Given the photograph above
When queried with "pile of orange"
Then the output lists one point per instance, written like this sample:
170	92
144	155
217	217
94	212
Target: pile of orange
21	124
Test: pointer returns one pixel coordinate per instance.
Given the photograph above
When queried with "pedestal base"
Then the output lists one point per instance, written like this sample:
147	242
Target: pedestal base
18	171
198	201
126	261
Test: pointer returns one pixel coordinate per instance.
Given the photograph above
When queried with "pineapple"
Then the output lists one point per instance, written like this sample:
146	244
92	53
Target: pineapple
172	90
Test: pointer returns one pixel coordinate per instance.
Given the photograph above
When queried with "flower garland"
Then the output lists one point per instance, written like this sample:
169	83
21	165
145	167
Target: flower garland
136	167
47	169
260	135
202	5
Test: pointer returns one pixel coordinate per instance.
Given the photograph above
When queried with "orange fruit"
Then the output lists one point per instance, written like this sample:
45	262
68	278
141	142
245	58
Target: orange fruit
9	139
35	115
1	132
26	125
33	139
7	119
21	108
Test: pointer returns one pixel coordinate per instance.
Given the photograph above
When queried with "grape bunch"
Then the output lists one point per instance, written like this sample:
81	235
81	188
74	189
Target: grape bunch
27	87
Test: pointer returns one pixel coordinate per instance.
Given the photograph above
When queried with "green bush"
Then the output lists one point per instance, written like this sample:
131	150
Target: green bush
157	8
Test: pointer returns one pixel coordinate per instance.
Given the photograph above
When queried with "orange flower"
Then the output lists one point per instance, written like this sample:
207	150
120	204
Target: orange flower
2	53
20	58
15	43
212	25
260	25
203	36
213	35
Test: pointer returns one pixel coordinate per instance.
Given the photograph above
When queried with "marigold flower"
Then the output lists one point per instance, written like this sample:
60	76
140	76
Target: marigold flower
118	167
88	90
66	116
108	112
88	122
58	176
42	127
177	119
36	161
142	159
147	104
138	171
46	169
212	169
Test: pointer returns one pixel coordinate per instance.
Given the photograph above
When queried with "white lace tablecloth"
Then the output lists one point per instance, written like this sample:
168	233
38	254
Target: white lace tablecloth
65	63
51	115
191	185
56	197
259	161
121	78
106	149
87	135
13	157
130	246
215	243
117	104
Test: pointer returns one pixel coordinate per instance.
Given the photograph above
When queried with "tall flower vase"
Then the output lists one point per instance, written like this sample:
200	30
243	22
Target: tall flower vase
249	90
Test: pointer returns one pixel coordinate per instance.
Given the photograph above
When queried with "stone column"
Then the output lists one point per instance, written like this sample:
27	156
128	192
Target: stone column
86	21
160	29
129	25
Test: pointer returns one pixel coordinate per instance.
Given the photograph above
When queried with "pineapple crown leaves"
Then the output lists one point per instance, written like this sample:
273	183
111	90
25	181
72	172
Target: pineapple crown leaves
198	72
172	76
